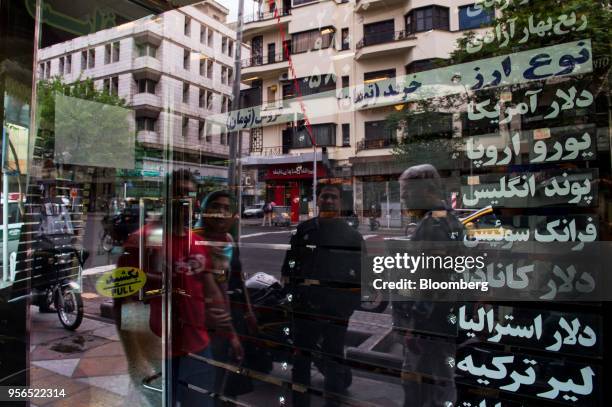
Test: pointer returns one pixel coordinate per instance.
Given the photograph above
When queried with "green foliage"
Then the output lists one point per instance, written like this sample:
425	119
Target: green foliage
597	12
47	91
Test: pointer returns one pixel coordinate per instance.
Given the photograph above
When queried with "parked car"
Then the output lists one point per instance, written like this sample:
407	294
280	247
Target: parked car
254	211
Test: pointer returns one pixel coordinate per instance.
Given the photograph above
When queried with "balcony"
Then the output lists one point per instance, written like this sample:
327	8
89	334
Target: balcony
271	64
147	63
374	144
375	5
384	43
146	101
260	22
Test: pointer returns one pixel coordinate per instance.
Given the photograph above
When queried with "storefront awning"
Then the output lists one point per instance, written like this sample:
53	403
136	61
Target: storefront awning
281	159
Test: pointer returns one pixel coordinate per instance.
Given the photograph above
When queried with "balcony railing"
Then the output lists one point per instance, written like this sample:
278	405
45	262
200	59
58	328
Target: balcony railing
268	151
253	18
384	37
373	144
260	60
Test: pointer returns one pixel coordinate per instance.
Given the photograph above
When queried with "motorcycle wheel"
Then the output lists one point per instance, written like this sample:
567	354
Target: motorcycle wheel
44	302
377	305
71	312
107	242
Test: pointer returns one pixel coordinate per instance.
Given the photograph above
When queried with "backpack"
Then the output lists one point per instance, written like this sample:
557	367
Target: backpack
439	229
267	208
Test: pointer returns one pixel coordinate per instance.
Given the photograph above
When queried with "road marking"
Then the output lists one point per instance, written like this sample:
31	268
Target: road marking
266	233
366	237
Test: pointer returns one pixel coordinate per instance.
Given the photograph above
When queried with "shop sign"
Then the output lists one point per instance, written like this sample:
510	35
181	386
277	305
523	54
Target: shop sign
121	282
293	171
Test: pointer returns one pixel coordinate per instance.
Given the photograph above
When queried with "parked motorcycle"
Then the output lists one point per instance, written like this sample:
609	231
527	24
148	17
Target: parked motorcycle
117	226
58	268
271	306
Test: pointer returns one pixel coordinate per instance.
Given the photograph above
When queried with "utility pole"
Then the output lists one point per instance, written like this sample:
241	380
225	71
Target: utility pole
233	173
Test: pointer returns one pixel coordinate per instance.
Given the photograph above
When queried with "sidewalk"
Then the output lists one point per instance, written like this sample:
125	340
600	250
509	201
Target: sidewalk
88	364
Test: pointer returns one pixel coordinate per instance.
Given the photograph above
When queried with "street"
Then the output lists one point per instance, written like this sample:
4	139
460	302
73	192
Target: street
91	364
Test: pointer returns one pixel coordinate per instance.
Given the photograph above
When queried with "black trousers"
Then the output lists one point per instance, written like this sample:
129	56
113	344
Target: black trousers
324	341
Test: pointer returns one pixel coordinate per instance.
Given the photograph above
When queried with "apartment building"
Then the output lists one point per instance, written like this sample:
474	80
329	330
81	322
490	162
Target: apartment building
333	48
174	70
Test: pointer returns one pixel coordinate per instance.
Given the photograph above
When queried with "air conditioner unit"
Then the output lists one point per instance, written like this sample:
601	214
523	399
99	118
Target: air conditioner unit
284	77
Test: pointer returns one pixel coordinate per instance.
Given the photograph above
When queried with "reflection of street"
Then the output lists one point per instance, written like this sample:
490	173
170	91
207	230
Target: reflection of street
91	366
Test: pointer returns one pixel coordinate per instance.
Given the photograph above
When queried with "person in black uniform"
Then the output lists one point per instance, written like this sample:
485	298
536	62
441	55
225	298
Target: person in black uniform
322	273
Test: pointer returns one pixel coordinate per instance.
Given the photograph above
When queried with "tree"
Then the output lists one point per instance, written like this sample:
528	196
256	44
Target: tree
79	124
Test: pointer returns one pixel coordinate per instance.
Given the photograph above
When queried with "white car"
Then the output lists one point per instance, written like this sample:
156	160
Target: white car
254	211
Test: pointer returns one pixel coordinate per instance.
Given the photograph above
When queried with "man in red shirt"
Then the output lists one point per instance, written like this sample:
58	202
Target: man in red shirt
197	303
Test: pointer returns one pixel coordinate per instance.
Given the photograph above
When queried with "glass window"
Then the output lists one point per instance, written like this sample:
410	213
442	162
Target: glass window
427	18
346	43
311	40
346	135
187	26
186	59
185	92
116	51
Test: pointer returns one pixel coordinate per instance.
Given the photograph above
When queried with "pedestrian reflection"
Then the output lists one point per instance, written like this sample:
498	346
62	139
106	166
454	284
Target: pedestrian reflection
321	272
425	382
198	312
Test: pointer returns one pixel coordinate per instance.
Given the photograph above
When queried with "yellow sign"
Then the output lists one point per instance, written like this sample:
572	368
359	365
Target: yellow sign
121	282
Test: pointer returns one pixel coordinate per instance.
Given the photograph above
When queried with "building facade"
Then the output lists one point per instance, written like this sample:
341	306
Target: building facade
173	70
337	48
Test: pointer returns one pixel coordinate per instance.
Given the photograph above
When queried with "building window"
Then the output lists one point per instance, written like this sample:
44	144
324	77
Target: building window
61	65
209	68
185	126
83	60
201	129
224	45
421	65
145	124
185	92
146	86
106	85
346	44
470	18
430	125
346	135
378	135
224	100
203	34
376	76
312	40
187	26
300	2
202	98
345	87
209	101
324	135
91	58
68	65
186	58
427	18
208	133
41	70
145	50
310	86
48	70
107	54
114	90
202	67
379	32
230	47
223	137
224	75
210	39
230	76
116	50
